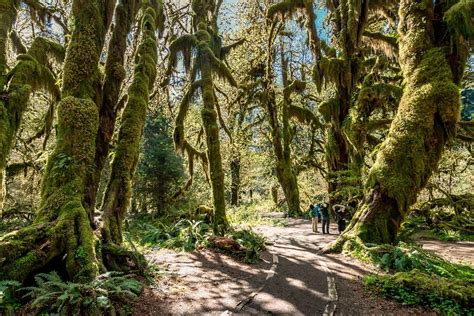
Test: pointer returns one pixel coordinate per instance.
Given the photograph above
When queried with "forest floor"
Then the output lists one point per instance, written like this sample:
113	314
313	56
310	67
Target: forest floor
292	278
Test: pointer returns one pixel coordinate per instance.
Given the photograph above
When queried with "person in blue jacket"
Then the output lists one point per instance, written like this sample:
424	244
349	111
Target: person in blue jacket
315	215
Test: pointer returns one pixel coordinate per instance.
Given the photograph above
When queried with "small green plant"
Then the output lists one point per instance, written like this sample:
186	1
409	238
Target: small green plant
109	293
8	297
251	242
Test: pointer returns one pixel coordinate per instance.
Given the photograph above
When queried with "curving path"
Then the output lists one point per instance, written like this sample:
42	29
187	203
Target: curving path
292	279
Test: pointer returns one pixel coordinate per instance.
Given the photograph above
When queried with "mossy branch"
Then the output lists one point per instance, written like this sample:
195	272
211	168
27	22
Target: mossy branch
285	7
386	43
304	115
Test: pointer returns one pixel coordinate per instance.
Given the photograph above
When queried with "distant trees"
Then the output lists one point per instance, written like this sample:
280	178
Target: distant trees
160	170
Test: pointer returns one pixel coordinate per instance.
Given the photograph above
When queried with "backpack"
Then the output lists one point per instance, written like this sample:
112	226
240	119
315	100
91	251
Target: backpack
324	210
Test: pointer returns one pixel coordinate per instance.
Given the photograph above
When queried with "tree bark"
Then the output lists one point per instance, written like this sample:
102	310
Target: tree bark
8	11
425	121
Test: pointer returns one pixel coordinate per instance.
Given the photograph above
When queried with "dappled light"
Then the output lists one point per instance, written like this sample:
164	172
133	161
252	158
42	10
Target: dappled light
296	157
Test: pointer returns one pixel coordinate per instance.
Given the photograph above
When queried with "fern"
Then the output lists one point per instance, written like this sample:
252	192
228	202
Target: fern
108	293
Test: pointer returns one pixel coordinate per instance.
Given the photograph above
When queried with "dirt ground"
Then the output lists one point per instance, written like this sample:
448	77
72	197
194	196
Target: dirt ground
292	278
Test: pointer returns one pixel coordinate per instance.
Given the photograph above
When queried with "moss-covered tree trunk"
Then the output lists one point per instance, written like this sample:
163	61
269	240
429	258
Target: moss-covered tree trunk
211	129
125	14
61	233
119	190
282	135
425	121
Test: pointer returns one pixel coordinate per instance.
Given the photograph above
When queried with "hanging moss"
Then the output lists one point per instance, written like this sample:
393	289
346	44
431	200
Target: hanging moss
118	194
31	73
459	19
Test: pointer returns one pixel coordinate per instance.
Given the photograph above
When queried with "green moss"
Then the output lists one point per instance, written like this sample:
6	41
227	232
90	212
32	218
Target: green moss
425	122
118	194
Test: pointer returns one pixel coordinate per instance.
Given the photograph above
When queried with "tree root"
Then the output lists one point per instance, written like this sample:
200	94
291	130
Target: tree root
117	258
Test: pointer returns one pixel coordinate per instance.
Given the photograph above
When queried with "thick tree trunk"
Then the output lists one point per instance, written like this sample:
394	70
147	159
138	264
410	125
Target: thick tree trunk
119	190
425	121
61	232
211	129
289	184
125	14
235	178
338	162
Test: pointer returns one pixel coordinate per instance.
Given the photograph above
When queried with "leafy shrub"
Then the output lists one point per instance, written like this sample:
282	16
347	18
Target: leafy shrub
109	293
252	243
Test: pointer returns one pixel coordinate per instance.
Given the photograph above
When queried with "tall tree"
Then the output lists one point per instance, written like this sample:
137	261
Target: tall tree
208	62
281	113
118	194
433	52
339	68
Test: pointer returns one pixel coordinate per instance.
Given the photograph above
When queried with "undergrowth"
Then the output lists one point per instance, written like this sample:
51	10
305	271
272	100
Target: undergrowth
109	294
419	277
189	235
443	223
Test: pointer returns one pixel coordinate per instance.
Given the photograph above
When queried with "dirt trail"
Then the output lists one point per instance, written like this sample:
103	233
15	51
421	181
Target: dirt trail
292	279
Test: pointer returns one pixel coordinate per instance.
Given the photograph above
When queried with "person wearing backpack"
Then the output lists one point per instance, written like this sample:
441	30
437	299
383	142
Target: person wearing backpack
315	216
324	210
339	210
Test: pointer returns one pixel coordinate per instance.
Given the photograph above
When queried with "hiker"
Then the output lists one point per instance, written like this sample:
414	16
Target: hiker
315	215
340	210
325	217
